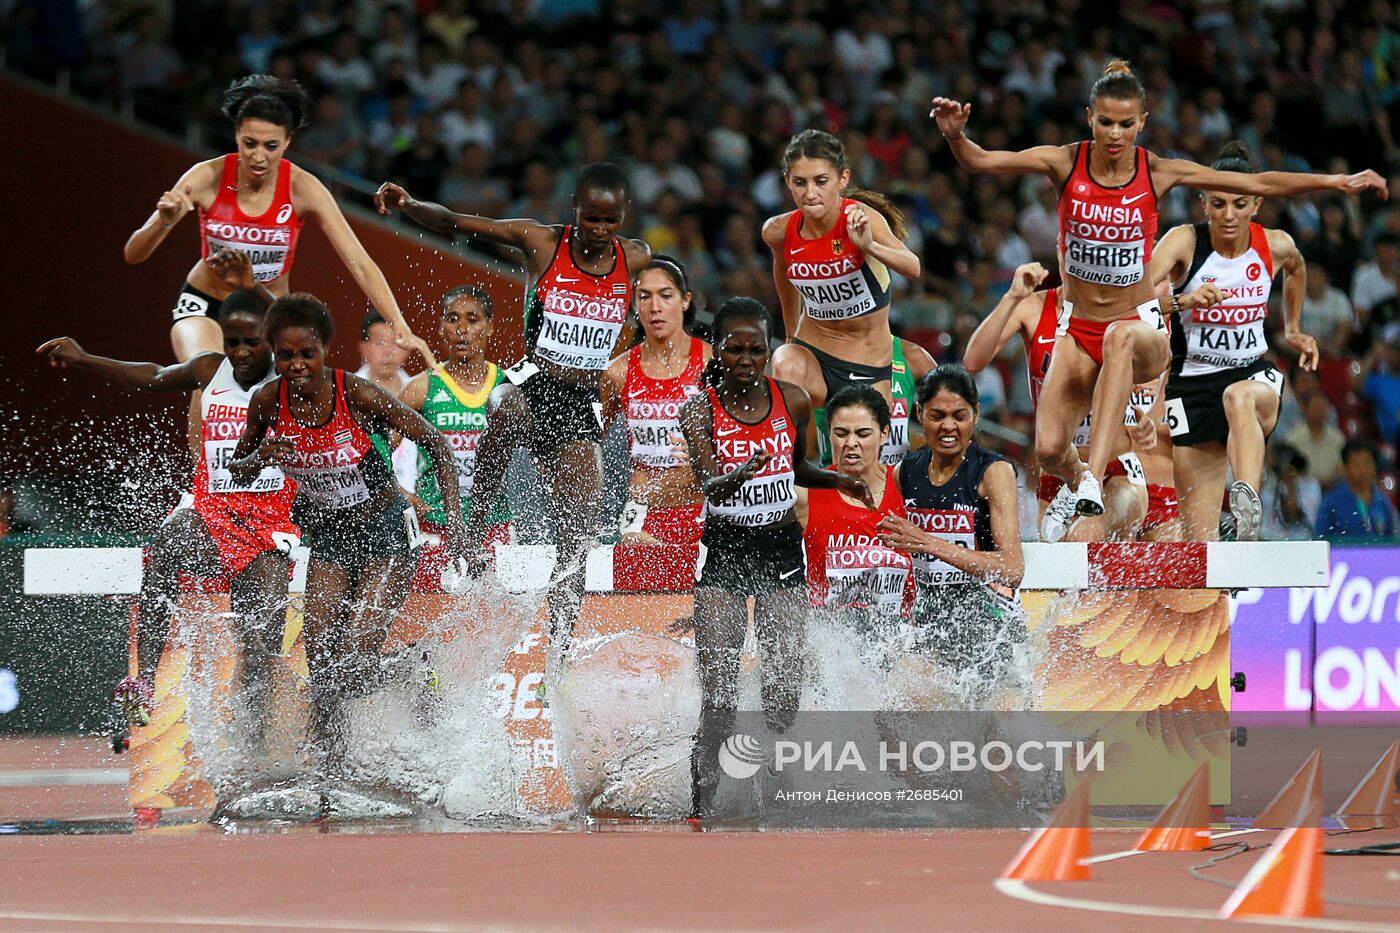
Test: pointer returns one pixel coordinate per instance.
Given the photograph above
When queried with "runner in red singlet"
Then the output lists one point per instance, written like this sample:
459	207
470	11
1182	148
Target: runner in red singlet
580	287
318	425
1112	335
255	200
1034	316
848	567
648	386
239	531
833	259
746	435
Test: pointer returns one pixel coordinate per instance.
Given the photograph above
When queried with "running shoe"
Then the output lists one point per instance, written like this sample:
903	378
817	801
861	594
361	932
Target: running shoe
1055	525
1246	509
1090	496
135	696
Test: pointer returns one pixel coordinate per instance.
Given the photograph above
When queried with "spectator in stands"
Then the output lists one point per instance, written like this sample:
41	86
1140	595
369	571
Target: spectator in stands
661	170
1317	440
1326	311
465	120
1357	508
469	187
450	23
1378	381
422	165
334	137
396	42
345	70
1378	279
1288	495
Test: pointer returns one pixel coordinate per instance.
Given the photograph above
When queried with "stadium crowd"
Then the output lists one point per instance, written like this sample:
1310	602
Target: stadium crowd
489	106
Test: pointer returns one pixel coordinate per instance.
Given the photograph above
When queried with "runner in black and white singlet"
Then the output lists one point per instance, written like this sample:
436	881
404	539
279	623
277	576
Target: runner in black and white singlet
746	435
316	424
963	534
1222	397
647	388
833	260
235	531
580	290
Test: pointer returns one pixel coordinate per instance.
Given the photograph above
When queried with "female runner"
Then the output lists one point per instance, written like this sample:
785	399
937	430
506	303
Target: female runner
832	259
962	533
1112	335
453	399
745	435
240	530
318	426
580	290
254	200
1033	315
648	386
848	567
1222	399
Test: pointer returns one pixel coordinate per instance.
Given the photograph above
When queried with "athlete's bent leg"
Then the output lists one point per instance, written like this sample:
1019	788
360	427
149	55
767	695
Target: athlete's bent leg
328	587
796	364
1064	401
508	426
1133	352
721	620
183	543
1251	409
574	483
381	586
259	597
1200	486
780	626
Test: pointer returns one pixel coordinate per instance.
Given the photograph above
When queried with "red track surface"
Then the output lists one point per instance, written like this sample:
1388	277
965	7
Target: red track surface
363	877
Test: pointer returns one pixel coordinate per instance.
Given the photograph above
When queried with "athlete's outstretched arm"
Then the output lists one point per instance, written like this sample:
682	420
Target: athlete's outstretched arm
773	232
1005	564
435	217
1295	284
1055	162
192	374
1012	314
1168	173
366	272
375	404
170	210
807	473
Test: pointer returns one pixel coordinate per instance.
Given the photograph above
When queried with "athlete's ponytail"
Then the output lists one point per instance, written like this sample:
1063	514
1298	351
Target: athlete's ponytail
1234	157
734	310
1118	83
263	97
883	206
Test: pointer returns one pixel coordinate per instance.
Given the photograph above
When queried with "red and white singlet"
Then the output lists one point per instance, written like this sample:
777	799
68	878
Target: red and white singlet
336	464
1106	234
653	408
1229	335
772	491
270	240
836	280
573	317
847	566
243	519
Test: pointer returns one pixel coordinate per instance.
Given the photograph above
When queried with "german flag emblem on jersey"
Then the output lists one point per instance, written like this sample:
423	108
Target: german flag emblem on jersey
838	246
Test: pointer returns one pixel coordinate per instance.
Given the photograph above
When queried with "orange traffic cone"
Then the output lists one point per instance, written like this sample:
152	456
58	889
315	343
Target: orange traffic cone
1184	824
1297	798
1374	802
1057	851
1287	881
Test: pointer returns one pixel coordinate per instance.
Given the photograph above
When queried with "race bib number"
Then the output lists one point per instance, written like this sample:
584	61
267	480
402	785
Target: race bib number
1151	313
189	305
520	373
1270	377
1133	467
1175	417
218	455
956	526
1103	243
